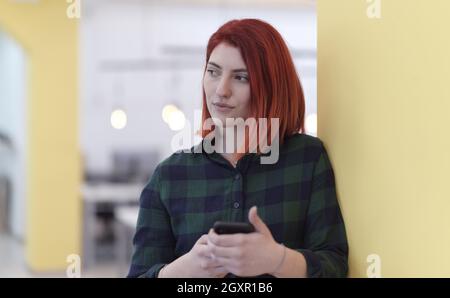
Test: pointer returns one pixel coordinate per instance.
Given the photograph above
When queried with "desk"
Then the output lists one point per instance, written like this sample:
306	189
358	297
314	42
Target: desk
112	192
116	194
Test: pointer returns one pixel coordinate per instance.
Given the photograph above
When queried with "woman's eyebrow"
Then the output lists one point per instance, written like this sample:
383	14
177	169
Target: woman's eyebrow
234	70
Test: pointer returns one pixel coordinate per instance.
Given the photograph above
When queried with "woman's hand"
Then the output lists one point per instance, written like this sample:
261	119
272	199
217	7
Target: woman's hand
197	263
201	263
246	254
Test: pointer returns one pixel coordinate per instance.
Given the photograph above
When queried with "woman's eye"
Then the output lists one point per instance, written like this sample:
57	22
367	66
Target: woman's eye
242	78
212	72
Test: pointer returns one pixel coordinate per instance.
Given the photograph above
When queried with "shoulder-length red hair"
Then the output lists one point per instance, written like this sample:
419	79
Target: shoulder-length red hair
275	88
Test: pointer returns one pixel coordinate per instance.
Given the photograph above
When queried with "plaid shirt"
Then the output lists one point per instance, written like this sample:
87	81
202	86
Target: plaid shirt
296	198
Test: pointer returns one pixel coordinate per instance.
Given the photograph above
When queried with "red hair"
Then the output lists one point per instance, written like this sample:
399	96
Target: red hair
275	88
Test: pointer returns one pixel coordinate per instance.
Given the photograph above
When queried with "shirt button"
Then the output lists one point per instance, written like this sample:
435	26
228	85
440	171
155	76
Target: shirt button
237	177
236	205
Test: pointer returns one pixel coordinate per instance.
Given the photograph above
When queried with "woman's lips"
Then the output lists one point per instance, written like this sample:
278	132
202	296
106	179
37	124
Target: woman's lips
222	108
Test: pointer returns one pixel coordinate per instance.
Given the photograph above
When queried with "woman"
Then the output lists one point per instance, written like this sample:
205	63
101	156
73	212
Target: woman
292	204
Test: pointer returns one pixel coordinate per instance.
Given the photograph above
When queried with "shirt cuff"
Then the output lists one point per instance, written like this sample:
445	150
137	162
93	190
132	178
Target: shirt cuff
313	265
153	271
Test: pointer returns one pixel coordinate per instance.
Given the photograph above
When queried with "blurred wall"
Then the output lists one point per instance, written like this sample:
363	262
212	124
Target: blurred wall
49	38
383	104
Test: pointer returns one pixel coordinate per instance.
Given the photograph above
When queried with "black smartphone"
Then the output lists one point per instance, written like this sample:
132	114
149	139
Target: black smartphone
227	227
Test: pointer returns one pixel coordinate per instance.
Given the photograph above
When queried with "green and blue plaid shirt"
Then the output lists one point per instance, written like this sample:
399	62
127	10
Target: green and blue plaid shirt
296	198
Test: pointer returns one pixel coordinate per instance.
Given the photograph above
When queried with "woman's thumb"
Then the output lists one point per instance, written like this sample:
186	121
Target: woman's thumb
256	221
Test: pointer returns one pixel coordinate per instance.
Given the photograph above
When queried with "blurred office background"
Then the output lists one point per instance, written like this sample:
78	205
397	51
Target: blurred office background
89	106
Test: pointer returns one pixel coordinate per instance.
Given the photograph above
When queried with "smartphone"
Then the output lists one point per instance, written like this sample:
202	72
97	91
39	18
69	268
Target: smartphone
227	227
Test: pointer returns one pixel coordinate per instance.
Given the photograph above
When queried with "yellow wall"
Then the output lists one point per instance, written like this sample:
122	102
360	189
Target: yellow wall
53	205
383	112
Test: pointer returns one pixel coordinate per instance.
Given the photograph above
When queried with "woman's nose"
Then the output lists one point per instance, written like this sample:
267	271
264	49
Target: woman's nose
224	88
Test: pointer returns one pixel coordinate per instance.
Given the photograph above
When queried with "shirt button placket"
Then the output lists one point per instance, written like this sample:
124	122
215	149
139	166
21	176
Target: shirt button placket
237	197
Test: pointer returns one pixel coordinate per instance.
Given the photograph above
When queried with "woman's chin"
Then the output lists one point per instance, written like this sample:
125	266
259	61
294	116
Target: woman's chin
221	120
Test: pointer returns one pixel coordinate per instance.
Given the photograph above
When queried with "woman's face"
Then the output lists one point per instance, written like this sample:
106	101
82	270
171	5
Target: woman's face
226	84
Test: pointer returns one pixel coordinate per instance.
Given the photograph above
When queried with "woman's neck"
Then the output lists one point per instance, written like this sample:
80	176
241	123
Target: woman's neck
227	140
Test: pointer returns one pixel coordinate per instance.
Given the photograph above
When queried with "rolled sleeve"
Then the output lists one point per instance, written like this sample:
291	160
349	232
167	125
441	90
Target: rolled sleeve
325	241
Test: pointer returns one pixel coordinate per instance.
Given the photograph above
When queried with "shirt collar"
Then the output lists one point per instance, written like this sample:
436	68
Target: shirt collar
198	150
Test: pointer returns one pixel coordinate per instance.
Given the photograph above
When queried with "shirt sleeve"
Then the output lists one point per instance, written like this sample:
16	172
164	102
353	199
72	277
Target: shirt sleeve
153	241
325	240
